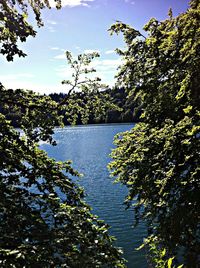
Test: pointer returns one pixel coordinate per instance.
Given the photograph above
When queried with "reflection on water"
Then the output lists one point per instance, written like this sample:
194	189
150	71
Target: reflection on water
89	148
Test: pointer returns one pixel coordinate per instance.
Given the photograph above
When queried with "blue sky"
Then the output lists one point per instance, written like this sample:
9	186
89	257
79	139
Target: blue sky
80	26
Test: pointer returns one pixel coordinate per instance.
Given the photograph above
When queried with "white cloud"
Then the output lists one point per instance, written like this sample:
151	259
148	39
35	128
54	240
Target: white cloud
60	57
34	86
51	29
106	65
101	66
110	52
91	51
105	69
71	3
58	49
50	25
26	81
52	22
5	78
63	71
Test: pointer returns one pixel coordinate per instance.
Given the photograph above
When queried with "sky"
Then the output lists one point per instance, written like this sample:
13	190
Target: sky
81	26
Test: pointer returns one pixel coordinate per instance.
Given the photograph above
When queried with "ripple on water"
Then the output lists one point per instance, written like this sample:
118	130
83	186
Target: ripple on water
89	148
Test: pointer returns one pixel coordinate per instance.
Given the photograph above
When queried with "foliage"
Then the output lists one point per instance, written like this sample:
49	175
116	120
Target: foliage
114	106
159	159
44	220
84	92
130	112
52	225
14	25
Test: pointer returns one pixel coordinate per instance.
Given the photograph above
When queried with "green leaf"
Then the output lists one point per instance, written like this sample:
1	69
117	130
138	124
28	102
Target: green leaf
169	262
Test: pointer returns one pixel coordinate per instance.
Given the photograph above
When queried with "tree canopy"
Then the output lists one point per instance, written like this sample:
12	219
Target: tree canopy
44	220
15	25
86	94
111	105
158	160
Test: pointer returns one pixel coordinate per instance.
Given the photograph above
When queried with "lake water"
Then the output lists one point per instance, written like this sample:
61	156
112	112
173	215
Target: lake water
89	148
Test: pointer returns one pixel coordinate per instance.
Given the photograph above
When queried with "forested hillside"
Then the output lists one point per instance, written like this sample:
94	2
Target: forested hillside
123	109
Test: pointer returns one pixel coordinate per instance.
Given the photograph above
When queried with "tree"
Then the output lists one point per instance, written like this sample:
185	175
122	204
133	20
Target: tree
14	25
87	96
44	220
88	100
158	160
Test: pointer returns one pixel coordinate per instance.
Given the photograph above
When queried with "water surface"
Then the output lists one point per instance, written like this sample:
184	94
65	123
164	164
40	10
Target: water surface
89	148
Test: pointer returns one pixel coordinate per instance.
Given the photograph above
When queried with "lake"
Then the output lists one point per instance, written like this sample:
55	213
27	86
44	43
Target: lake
89	147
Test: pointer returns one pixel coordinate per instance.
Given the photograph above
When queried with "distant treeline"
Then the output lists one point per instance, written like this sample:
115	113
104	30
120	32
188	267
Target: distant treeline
123	110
